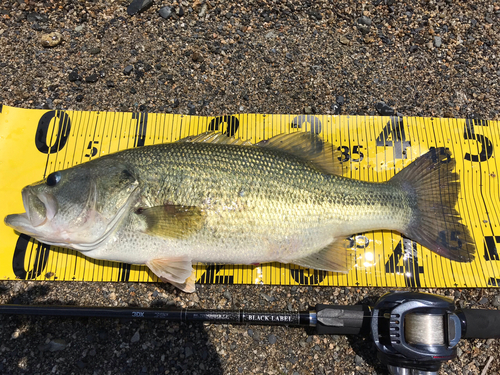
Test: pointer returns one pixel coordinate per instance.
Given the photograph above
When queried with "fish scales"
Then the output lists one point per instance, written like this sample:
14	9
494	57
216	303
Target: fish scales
254	195
214	199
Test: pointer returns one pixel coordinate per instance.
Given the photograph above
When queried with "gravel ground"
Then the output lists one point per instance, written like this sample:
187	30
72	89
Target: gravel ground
429	58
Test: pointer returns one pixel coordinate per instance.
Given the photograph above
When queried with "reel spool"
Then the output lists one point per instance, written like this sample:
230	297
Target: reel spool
424	329
415	331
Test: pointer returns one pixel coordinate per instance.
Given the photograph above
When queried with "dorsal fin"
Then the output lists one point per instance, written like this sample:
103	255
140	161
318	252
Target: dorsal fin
310	147
307	146
219	138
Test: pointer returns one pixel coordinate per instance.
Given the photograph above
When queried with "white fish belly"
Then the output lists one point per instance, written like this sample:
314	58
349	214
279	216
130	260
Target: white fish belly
244	248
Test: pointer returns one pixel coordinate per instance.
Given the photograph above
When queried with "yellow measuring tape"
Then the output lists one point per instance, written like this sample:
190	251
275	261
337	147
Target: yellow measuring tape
34	143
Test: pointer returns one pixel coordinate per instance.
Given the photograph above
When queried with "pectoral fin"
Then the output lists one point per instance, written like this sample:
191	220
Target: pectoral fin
334	258
172	221
176	271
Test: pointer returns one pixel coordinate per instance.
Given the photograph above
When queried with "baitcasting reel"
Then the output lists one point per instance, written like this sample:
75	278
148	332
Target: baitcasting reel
413	332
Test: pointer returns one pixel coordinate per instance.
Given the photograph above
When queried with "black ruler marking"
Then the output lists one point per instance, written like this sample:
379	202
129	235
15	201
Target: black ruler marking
435	132
48	152
468	164
162	129
368	170
120	130
467	269
467	192
488	130
482	171
431	138
110	137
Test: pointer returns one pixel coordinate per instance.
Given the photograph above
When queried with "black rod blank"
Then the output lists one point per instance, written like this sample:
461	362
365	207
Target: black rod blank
174	314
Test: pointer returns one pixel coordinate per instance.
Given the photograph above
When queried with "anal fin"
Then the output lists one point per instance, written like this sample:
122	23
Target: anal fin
333	258
176	271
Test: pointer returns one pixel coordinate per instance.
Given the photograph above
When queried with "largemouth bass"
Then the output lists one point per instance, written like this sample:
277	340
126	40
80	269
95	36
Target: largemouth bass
215	199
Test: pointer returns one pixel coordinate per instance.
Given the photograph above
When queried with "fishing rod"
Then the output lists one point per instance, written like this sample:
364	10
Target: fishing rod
414	332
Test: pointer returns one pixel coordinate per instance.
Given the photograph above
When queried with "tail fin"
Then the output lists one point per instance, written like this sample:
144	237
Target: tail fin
433	191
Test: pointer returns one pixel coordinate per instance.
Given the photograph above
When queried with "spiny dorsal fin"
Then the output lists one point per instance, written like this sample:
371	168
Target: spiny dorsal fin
218	138
307	146
335	258
172	221
310	147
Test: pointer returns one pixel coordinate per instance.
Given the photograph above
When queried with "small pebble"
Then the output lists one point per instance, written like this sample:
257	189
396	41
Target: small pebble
256	336
197	57
364	25
16	334
92	78
335	107
203	11
365	21
128	69
136	337
344	40
496	301
73	76
267	297
358	360
138	6
484	301
55	345
37	17
384	110
272	339
437	41
166	12
51	40
95	51
270	34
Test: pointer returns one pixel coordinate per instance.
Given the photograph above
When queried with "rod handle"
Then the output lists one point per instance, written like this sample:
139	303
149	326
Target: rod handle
480	324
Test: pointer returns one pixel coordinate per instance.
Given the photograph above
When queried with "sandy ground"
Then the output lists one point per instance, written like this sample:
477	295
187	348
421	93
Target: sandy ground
424	58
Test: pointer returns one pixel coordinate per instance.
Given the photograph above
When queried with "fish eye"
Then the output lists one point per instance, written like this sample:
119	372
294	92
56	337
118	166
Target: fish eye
53	178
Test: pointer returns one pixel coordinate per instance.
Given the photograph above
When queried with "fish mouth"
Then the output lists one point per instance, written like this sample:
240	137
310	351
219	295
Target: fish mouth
40	209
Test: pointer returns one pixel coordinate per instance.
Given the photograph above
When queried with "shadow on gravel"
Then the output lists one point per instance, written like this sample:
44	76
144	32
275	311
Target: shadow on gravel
43	345
366	350
364	347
